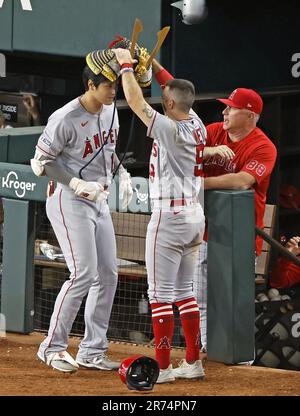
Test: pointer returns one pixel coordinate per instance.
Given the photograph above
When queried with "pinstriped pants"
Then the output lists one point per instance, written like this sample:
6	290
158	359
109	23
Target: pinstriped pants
200	290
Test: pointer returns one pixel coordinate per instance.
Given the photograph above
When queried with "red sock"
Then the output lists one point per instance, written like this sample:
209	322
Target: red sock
190	320
163	328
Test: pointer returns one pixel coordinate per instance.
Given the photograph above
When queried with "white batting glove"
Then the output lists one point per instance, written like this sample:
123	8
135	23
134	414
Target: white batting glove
93	191
125	188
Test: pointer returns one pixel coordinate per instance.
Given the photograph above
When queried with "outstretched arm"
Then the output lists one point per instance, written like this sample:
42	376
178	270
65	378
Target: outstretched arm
132	90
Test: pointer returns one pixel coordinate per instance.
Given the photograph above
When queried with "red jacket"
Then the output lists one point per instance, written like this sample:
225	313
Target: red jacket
285	274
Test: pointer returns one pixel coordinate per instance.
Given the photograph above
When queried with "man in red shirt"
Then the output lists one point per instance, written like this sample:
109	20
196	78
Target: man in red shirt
250	168
285	273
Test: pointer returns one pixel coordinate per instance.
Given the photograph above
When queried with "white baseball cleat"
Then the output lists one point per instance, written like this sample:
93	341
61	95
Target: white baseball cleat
246	362
101	362
166	375
61	361
190	371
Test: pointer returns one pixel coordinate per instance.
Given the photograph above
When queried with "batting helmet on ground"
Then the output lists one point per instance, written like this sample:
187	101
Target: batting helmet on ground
139	372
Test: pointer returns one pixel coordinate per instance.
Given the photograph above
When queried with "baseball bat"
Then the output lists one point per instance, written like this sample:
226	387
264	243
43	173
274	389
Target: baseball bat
277	246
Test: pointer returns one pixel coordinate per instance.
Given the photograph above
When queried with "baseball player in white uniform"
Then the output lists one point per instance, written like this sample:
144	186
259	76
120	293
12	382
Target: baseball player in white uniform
177	222
80	217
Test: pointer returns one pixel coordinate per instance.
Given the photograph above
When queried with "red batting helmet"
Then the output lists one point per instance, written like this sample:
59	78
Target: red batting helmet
139	372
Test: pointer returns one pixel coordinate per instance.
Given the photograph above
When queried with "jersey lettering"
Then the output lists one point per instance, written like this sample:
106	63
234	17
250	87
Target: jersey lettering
198	136
252	165
96	141
152	172
89	149
228	165
259	168
198	169
154	149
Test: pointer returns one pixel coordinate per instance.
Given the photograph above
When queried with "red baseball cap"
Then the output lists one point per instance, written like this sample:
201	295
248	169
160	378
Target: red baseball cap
244	98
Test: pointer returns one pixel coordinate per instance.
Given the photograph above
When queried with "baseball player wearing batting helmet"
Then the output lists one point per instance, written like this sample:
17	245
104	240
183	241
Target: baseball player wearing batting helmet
246	161
177	222
79	213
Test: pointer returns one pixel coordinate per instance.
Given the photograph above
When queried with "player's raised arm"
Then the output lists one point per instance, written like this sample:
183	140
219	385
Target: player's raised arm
132	90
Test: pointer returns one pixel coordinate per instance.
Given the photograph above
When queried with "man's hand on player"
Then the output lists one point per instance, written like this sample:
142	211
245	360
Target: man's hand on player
222	150
123	56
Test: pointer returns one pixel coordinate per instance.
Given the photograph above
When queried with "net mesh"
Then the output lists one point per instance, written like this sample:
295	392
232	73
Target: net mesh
131	313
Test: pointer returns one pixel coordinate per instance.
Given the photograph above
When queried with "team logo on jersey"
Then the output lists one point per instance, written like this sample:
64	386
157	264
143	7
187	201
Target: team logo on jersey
164	343
94	143
46	141
226	165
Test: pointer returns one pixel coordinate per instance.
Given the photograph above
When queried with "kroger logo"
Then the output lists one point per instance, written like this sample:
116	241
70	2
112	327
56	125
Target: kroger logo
20	187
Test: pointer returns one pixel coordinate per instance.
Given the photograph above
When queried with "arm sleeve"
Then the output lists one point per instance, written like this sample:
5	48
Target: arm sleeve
54	171
163	76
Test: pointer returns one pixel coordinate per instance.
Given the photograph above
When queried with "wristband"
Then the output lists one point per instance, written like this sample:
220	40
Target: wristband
163	76
124	70
126	66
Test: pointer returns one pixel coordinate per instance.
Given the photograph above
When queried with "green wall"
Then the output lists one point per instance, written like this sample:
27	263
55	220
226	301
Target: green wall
73	27
6	17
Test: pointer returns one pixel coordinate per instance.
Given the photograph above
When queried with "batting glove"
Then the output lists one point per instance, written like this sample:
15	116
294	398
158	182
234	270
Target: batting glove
125	189
93	191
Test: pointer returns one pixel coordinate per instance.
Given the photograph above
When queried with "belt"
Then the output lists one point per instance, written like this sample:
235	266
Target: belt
173	202
178	202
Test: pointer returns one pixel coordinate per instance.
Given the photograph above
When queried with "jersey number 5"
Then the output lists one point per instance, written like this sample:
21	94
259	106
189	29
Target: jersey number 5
198	169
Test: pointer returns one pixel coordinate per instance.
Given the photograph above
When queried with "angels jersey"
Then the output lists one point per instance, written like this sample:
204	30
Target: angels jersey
176	162
255	154
73	136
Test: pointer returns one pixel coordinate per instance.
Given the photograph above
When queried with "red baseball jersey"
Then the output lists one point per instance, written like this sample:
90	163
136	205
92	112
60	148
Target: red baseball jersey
285	274
255	154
